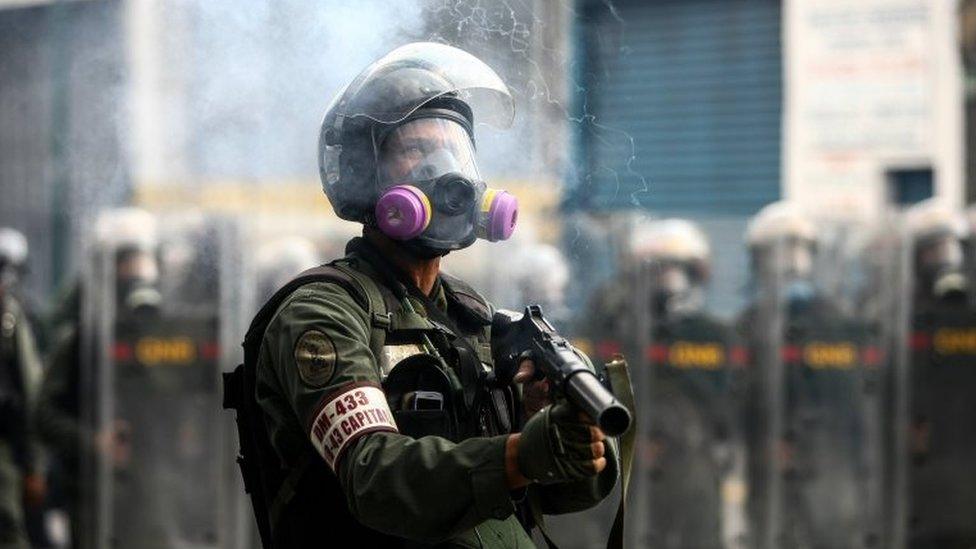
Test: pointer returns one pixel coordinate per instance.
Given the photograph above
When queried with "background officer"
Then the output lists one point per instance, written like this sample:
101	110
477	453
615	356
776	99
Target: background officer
691	452
20	372
128	237
941	419
813	385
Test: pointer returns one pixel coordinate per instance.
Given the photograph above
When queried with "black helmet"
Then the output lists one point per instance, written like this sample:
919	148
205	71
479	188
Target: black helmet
411	78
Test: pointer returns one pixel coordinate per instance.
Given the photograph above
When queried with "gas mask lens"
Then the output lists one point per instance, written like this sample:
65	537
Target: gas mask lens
425	149
430	188
453	194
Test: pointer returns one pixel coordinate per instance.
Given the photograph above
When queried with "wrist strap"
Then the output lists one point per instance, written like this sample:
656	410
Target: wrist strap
619	374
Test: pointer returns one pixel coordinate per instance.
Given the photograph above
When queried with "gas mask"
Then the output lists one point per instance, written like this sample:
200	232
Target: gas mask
796	259
676	290
431	195
799	293
136	291
9	276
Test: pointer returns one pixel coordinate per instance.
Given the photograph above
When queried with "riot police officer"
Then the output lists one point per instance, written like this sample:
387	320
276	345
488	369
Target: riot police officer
692	452
126	239
377	419
813	409
937	401
20	371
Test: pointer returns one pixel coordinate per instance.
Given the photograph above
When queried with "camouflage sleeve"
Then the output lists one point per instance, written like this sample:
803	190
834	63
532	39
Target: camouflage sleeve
425	489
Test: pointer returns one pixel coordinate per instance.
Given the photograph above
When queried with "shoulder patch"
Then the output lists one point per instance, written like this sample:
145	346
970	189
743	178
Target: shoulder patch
315	355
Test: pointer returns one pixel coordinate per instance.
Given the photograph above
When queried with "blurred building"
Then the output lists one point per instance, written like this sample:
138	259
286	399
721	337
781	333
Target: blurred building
874	104
711	109
61	72
707	109
217	104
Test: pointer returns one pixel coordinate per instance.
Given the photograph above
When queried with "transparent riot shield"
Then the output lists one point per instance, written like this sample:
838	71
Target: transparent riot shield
814	413
934	445
156	449
688	483
692	449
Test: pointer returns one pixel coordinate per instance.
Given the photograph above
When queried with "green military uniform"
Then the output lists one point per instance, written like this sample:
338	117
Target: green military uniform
319	382
20	372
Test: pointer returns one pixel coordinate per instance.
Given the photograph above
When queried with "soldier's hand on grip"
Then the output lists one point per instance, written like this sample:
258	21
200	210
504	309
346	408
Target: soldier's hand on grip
535	392
560	444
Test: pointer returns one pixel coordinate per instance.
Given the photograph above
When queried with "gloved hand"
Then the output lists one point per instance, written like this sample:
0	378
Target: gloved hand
560	444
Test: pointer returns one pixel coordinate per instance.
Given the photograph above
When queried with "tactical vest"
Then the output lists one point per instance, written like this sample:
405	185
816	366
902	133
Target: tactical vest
439	392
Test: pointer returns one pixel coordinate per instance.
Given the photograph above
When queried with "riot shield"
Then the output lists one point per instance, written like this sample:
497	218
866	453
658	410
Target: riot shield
155	445
694	454
687	485
815	432
935	420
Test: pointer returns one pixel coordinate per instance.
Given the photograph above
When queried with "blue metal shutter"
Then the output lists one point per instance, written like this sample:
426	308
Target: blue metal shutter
682	106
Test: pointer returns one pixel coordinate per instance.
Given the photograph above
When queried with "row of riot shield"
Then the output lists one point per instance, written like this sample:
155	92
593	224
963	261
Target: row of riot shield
833	411
165	303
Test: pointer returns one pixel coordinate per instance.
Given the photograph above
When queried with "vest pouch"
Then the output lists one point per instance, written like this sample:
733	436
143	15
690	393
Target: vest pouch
421	397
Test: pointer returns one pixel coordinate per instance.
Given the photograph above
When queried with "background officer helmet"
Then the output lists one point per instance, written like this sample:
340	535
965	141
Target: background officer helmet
938	233
129	234
396	149
541	276
281	260
781	237
678	256
13	257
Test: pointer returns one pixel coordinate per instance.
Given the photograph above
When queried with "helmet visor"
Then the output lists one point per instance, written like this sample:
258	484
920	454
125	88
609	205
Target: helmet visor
425	149
407	78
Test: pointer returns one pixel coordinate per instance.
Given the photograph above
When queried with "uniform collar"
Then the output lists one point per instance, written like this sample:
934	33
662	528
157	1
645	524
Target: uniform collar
380	265
447	294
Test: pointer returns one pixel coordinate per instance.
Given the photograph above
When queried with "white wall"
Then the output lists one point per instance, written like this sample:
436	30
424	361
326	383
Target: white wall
869	86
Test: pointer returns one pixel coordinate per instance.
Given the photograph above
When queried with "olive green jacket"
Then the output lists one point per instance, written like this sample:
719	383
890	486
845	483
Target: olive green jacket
315	361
